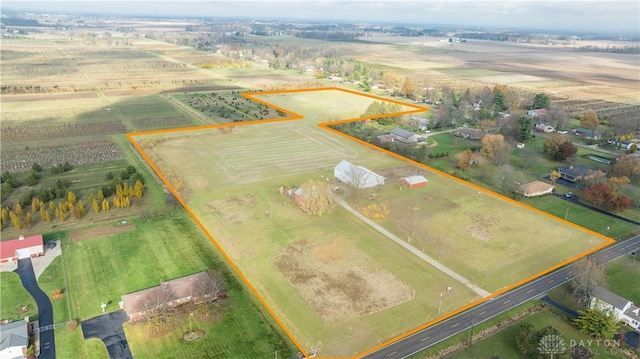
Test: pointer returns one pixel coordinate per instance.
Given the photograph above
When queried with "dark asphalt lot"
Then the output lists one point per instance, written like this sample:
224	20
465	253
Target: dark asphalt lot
45	310
108	328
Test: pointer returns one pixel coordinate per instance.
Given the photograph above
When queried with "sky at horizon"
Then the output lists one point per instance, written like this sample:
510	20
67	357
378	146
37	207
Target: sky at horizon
577	16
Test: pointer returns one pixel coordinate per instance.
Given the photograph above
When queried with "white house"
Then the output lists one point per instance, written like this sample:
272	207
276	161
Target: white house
623	309
14	340
536	188
357	175
537	112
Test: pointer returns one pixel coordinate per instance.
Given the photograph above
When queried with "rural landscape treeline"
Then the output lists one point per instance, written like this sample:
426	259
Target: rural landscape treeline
334	185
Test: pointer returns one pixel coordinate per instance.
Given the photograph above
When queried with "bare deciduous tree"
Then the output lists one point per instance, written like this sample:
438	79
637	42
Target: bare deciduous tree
587	275
157	308
317	198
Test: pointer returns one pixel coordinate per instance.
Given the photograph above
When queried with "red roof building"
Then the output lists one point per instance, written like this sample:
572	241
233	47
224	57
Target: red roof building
21	247
414	181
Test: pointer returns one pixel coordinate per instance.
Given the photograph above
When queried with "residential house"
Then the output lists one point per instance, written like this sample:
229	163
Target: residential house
420	122
544	127
414	181
404	136
14	340
586	133
577	173
195	288
537	112
469	133
383	139
536	188
357	175
21	247
623	309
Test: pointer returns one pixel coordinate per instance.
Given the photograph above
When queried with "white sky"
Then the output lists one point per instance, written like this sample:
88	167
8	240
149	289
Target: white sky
574	16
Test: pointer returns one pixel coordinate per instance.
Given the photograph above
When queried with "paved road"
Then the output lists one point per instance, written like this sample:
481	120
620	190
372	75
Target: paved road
481	292
108	328
45	310
467	320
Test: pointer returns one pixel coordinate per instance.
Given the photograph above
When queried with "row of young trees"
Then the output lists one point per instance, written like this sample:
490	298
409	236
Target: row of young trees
70	206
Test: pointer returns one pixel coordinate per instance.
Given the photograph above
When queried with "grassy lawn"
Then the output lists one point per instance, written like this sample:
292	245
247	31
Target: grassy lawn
464	336
237	331
582	216
71	345
103	269
503	344
229	189
52	278
622	277
13	297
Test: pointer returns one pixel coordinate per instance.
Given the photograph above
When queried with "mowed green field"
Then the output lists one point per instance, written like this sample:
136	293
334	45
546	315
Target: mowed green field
232	178
100	270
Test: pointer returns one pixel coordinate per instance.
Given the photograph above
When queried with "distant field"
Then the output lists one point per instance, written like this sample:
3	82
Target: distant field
233	192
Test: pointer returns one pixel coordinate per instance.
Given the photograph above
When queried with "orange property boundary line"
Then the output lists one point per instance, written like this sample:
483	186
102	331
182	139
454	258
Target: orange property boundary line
325	125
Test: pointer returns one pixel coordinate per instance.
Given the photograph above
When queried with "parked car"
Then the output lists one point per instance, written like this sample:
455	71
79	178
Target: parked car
568	194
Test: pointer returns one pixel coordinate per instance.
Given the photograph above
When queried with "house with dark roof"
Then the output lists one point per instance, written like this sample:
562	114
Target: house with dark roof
536	188
586	133
14	340
469	133
192	288
623	309
404	136
577	173
21	247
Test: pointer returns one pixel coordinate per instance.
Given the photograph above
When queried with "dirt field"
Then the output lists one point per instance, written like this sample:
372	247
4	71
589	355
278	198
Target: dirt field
101	231
339	281
557	69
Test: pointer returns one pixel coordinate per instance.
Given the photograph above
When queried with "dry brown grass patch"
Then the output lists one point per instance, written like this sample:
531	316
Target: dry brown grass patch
101	231
479	229
339	281
234	210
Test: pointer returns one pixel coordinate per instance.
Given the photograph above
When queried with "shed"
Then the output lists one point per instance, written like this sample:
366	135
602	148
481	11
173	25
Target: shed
21	247
536	188
357	176
414	181
298	196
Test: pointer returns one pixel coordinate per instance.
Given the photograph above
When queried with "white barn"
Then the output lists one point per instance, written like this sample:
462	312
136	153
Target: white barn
357	176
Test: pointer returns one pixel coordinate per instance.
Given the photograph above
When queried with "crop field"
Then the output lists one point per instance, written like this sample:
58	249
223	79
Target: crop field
302	266
224	107
606	76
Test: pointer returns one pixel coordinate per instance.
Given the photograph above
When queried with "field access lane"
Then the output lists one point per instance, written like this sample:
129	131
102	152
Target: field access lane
481	292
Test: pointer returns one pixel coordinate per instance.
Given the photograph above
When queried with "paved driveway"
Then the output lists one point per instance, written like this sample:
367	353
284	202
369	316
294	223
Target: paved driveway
45	311
108	328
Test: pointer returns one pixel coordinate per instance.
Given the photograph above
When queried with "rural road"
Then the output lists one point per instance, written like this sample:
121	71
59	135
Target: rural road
481	292
434	334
